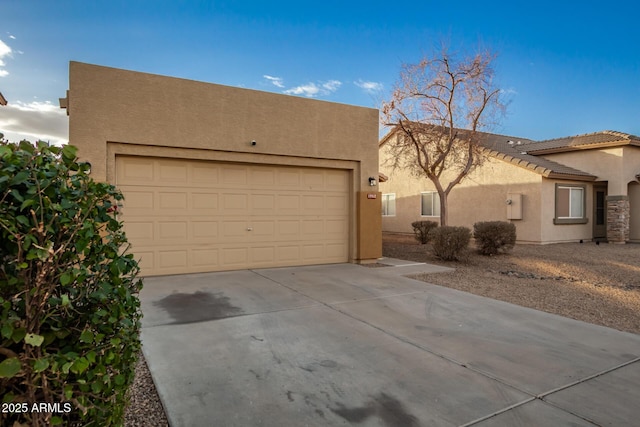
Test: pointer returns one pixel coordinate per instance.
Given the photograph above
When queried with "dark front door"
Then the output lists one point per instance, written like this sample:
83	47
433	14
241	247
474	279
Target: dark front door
599	212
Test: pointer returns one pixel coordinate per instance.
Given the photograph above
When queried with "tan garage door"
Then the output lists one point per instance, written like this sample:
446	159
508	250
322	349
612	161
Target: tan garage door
185	216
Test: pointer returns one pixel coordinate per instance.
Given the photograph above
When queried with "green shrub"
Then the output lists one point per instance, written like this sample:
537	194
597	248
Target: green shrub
494	236
69	309
449	242
421	230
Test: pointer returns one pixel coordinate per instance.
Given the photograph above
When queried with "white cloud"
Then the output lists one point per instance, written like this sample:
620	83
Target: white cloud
369	87
332	85
4	51
277	81
33	121
509	91
311	90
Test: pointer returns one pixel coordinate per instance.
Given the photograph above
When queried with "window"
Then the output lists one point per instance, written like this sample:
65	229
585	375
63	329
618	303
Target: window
430	203
389	204
570	204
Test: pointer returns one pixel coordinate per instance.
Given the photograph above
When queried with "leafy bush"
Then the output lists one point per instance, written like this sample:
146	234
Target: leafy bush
421	230
494	236
449	242
69	310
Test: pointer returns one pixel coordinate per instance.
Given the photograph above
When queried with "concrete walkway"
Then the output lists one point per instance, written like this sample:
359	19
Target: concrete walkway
343	344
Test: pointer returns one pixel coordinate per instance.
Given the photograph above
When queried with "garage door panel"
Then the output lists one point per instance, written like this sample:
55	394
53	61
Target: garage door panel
313	180
140	231
204	174
137	199
288	204
336	179
263	230
335	228
234	231
264	177
263	204
207	230
313	252
135	170
194	216
172	173
234	175
288	229
336	251
313	205
204	203
205	257
172	259
173	230
286	254
288	178
336	204
263	255
234	204
172	201
234	257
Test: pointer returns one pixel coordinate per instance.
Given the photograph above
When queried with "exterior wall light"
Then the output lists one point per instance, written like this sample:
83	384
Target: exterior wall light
372	181
509	201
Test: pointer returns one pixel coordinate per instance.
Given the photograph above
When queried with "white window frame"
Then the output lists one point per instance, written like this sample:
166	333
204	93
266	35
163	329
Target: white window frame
582	203
435	203
386	198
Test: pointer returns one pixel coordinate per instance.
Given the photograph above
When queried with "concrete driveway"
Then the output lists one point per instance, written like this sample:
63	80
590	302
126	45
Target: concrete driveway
343	344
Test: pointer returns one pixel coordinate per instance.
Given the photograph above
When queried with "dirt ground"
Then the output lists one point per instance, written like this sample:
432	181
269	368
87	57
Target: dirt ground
598	284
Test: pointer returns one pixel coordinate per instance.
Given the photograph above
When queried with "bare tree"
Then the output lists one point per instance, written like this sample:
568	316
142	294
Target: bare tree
438	109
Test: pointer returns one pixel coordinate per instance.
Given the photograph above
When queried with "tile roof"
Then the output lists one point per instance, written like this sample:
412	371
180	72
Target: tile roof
580	142
516	151
528	153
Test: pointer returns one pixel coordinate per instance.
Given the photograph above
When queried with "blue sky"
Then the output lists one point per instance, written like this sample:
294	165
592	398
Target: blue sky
569	67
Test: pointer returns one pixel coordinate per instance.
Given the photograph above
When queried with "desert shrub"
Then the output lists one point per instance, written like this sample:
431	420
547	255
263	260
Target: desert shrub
494	236
69	309
421	230
448	242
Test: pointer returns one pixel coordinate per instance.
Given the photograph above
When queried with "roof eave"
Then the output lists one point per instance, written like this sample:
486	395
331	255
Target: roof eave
531	149
571	177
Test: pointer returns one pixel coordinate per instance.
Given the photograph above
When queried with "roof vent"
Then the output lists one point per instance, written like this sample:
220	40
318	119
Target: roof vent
519	143
510	142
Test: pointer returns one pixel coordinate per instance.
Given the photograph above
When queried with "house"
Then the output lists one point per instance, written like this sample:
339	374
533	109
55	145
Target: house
583	187
222	178
3	101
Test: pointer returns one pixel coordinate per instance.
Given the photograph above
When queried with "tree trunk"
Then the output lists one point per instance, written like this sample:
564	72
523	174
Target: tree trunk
443	208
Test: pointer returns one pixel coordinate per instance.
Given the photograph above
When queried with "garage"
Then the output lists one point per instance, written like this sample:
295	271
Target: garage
220	178
188	216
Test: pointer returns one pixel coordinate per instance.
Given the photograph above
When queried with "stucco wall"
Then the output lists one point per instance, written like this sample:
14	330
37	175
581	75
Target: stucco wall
552	233
616	165
480	197
115	111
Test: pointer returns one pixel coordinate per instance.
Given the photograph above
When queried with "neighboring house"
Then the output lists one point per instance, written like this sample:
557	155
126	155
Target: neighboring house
584	187
3	101
223	178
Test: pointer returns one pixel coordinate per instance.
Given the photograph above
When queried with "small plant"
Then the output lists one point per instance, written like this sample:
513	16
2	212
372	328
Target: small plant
421	230
69	308
493	237
449	242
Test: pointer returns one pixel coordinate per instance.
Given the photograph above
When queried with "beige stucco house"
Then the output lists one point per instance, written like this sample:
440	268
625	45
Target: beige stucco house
583	187
222	178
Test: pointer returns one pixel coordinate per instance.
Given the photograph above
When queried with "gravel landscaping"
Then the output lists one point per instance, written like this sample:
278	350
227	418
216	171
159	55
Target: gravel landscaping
599	284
